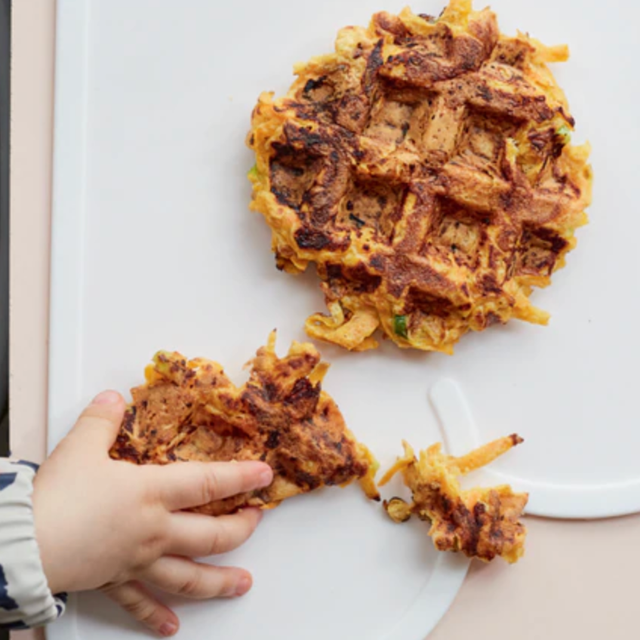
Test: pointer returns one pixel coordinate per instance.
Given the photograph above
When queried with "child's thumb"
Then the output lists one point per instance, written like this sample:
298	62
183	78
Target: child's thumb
98	425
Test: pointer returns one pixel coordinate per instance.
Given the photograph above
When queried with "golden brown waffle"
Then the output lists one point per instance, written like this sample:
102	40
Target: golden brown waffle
190	410
425	168
481	523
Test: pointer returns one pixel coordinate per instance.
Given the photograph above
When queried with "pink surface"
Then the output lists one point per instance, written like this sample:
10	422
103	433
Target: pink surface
577	579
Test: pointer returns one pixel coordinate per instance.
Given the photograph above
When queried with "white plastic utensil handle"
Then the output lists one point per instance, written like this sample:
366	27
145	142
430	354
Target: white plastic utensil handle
545	499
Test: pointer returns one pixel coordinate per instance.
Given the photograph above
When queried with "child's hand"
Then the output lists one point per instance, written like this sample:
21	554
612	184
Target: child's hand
107	524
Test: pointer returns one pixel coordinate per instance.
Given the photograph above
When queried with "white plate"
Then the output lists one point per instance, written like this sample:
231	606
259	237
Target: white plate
153	247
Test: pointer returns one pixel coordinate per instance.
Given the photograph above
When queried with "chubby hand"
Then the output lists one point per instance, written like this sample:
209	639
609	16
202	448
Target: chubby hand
102	523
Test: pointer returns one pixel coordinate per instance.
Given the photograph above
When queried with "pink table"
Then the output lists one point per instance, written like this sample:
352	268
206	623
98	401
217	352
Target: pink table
577	579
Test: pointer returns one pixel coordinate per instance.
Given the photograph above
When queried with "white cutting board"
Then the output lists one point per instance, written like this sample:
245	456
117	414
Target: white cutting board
153	247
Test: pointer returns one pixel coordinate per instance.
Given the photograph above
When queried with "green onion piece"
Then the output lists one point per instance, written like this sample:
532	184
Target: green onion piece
400	326
564	133
253	172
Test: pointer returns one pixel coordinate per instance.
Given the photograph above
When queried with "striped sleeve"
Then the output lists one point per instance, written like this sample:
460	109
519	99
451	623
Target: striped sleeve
25	598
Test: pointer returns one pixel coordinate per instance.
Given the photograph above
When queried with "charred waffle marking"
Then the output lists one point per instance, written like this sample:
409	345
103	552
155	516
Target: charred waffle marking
190	410
432	155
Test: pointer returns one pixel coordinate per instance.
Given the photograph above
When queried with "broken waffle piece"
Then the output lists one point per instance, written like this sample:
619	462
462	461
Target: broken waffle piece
190	410
480	522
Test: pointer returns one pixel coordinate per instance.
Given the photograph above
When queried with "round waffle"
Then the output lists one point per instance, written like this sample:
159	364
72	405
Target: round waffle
425	168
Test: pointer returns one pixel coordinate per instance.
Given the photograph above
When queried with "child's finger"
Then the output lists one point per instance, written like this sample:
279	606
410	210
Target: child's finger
194	580
195	536
144	607
98	425
183	485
